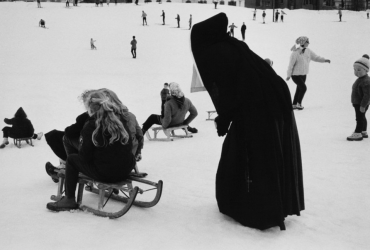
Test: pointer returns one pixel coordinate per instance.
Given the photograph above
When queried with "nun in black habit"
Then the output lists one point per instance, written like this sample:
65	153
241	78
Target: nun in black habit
259	178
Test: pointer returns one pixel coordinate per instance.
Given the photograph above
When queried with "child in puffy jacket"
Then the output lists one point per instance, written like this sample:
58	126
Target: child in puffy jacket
22	128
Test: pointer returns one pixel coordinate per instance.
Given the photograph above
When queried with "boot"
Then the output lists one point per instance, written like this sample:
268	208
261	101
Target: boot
355	137
51	171
299	106
5	142
364	134
64	204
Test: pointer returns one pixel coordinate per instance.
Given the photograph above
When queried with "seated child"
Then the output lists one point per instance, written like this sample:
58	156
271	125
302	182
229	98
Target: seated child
22	128
175	110
105	150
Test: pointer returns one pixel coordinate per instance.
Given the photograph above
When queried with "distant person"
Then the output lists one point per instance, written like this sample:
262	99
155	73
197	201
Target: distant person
263	16
163	17
165	93
97	3
92	43
178	20
133	47
21	128
215	2
115	1
254	14
298	68
360	98
175	110
75	2
67	3
340	14
42	24
243	29
277	16
136	2
108	1
39	4
282	15
101	3
367	14
232	26
190	21
144	15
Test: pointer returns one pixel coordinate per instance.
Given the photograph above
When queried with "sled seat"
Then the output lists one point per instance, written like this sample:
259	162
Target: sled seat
210	113
110	190
169	132
18	141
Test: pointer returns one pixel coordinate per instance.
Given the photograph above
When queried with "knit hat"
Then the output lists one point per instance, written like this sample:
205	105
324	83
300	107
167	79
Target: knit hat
363	62
176	90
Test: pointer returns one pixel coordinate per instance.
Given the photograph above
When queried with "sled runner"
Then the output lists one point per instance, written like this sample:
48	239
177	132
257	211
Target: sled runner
210	113
18	141
169	132
111	191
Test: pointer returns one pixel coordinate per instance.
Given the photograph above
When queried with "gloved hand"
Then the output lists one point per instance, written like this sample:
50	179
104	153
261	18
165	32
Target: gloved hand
222	126
138	157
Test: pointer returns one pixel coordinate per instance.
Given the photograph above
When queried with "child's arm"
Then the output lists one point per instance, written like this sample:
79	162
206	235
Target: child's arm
316	58
167	115
366	98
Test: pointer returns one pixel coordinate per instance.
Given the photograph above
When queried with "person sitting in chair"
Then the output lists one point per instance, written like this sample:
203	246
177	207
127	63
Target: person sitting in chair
22	128
175	109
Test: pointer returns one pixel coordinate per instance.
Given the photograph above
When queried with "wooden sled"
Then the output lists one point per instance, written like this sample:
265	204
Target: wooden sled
210	113
18	141
110	190
169	132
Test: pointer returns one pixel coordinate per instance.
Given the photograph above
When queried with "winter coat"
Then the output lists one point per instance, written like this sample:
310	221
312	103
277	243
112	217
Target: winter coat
22	127
164	94
133	44
136	133
73	131
173	115
244	27
112	162
300	62
144	15
361	91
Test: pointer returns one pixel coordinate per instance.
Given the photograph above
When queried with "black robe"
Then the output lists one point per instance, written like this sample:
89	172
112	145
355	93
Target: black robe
259	179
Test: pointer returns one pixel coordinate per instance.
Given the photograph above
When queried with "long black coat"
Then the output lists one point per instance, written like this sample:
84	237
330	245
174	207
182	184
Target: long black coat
21	126
259	179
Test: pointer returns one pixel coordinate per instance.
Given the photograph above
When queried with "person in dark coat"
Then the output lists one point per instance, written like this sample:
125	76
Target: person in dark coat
178	20
259	179
243	29
21	128
165	93
164	17
105	150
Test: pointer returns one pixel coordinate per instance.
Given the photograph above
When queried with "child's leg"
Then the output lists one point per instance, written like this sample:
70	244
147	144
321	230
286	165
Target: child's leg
359	118
364	125
152	119
71	146
301	88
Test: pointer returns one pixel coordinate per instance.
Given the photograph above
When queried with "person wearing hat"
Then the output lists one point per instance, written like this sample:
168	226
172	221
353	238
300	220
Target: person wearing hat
299	66
360	97
175	110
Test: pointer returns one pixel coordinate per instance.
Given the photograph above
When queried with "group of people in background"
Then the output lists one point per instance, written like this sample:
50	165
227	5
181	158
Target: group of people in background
163	15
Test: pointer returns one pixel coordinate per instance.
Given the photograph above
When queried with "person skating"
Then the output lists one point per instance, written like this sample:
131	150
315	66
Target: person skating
360	97
42	23
254	14
263	16
243	29
133	47
163	17
277	16
190	22
232	26
340	14
178	20
21	128
298	68
144	15
92	43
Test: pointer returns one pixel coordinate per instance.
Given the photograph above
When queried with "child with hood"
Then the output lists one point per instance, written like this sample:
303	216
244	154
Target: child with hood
22	128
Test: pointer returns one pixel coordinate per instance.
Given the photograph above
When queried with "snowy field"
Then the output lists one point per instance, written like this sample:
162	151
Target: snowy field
44	71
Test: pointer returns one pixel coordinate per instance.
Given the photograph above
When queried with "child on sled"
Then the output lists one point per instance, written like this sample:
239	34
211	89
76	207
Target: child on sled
105	152
21	128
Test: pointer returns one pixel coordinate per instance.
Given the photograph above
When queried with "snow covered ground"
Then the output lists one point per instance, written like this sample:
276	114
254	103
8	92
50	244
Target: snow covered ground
44	71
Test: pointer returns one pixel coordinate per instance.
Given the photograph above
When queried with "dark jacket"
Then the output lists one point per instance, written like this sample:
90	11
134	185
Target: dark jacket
22	127
174	115
361	91
164	94
112	162
244	27
136	133
73	131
